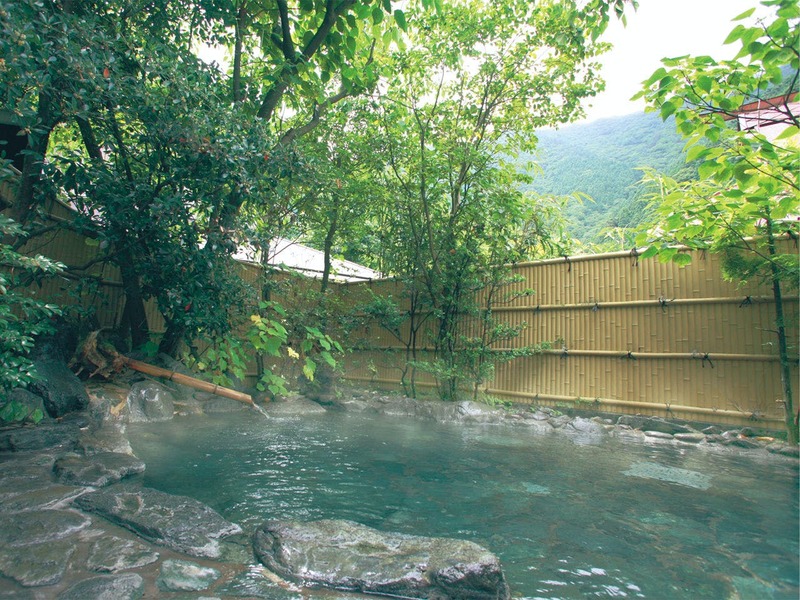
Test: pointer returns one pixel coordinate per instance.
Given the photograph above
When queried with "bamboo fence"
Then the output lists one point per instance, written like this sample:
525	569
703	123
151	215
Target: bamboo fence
626	335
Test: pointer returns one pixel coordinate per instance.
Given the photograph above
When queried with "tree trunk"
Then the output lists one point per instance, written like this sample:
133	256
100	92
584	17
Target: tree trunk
34	159
790	417
134	316
173	336
329	237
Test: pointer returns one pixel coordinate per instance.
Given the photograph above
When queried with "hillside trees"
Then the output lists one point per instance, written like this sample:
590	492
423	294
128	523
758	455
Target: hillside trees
748	194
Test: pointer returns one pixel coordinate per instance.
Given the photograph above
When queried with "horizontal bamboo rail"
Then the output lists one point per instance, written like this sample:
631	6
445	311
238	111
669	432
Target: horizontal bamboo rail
663	303
621	354
697	410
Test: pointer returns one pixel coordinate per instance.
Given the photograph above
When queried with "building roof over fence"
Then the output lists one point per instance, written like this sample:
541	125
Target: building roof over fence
289	254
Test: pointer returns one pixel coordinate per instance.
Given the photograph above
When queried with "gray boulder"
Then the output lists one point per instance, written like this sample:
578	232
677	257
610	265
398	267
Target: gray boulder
654	424
291	406
45	435
59	388
97	470
150	401
111	554
177	522
349	556
129	586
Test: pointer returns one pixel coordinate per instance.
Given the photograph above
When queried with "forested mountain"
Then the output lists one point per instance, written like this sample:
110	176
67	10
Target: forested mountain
602	160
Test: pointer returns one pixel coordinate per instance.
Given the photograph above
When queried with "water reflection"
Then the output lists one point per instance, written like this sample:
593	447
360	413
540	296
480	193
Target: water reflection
568	519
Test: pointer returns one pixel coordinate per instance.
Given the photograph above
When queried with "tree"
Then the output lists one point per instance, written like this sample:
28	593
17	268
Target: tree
468	91
748	194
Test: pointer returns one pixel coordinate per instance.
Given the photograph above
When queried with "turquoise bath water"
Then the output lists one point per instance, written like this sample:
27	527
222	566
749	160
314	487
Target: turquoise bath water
569	517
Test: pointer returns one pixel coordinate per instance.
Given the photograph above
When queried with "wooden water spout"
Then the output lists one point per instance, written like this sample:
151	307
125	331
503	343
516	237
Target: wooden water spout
105	358
197	384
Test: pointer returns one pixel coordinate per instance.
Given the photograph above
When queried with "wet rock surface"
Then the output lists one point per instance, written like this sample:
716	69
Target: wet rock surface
96	470
61	391
150	401
350	556
177	522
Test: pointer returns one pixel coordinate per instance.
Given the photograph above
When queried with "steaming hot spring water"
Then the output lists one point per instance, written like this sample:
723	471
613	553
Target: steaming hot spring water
569	517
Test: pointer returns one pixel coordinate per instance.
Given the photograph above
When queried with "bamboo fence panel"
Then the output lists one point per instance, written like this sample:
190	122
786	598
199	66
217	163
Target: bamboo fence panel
636	331
640	336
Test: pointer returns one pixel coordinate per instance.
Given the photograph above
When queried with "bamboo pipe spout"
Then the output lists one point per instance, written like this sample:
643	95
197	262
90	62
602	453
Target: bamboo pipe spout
197	384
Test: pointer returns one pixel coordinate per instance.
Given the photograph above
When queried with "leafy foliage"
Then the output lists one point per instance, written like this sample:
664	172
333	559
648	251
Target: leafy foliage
748	193
22	317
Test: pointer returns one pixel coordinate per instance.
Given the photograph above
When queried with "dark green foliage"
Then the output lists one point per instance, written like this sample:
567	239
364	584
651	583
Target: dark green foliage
602	159
22	317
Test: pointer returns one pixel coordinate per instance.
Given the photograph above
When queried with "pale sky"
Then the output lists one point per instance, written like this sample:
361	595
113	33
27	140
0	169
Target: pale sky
659	29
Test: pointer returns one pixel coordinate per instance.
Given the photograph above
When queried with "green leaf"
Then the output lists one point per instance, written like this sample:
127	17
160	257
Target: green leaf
682	259
309	368
744	15
400	18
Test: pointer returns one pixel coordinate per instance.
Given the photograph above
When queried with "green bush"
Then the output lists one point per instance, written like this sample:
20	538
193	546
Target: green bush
22	317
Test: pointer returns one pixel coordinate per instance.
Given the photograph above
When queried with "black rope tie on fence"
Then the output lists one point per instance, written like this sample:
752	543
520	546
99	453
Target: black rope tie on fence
635	257
564	354
703	357
628	356
663	302
569	263
748	301
596	307
538	309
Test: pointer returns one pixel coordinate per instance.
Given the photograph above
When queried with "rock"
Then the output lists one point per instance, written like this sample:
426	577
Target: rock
690	438
40	498
150	401
653	424
658	435
61	391
185	576
34	409
45	435
178	522
39	526
584	426
129	586
784	449
108	438
97	470
741	442
348	556
110	554
36	564
474	412
292	406
712	430
560	421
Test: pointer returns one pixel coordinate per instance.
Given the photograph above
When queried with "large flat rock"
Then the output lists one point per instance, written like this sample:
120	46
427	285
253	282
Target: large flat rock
177	522
96	470
349	556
